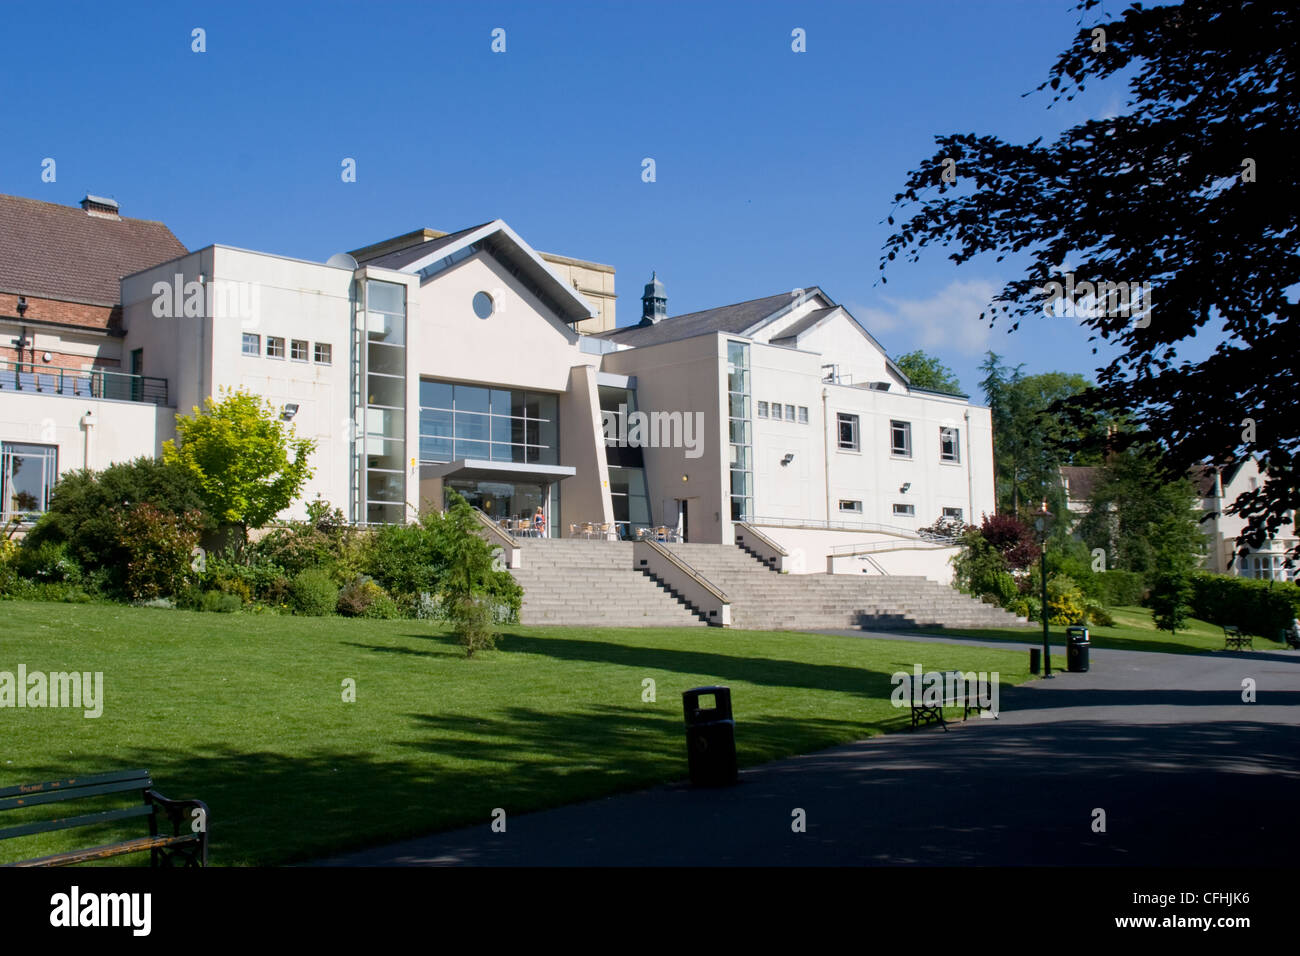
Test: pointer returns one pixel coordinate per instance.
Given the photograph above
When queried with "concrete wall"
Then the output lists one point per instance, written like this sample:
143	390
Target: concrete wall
585	496
121	430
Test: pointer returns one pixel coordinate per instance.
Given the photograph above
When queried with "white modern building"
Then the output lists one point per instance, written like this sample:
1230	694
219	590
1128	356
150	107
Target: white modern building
469	361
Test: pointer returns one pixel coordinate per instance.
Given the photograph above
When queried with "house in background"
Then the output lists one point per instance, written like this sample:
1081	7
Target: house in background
72	394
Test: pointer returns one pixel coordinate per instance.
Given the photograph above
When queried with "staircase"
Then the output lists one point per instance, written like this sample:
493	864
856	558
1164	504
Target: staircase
764	599
581	583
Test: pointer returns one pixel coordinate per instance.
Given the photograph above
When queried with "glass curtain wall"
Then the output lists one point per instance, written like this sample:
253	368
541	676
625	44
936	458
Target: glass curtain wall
385	394
738	396
627	484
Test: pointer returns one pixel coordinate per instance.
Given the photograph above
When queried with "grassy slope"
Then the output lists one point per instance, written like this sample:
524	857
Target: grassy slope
245	712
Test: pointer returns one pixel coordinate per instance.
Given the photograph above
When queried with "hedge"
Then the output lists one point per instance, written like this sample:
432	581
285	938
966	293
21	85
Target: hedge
1121	588
1262	608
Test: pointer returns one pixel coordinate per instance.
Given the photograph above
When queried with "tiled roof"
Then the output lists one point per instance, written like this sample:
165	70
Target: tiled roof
1080	479
61	252
732	319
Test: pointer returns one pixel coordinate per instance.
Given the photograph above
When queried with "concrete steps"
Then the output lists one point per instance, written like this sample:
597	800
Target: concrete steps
762	598
581	583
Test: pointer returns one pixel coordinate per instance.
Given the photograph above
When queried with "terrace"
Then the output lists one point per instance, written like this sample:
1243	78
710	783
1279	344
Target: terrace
28	377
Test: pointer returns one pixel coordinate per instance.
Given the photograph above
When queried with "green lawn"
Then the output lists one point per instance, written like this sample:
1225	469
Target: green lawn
245	712
1133	630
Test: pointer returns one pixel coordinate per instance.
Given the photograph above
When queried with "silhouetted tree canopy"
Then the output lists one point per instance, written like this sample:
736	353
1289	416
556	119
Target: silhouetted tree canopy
1193	189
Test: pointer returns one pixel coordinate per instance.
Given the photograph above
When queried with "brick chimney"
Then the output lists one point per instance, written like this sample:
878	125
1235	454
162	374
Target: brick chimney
100	207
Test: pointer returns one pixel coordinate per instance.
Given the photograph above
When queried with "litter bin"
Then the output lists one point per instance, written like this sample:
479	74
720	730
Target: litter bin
1035	659
1076	648
710	737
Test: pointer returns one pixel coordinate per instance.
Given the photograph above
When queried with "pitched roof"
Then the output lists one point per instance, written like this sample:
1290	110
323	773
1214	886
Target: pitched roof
1080	480
51	251
400	258
803	325
732	319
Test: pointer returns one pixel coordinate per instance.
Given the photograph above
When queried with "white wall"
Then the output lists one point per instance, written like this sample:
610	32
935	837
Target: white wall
122	430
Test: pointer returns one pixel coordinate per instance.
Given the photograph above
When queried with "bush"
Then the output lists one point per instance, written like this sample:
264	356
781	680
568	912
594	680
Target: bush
220	602
362	597
471	619
324	541
1257	607
405	559
47	562
157	546
83	512
1065	602
1096	613
313	593
1122	588
1012	539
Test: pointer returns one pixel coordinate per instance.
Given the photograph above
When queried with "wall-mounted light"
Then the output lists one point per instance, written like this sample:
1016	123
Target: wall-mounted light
686	477
48	357
22	306
789	457
903	490
290	409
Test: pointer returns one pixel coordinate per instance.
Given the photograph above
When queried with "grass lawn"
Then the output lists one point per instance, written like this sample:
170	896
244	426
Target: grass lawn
246	713
1133	631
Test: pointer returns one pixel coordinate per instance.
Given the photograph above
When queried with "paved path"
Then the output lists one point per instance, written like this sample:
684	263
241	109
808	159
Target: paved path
1186	773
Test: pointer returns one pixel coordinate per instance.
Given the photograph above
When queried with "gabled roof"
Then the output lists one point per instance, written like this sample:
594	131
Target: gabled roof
734	319
1080	480
791	335
429	257
59	252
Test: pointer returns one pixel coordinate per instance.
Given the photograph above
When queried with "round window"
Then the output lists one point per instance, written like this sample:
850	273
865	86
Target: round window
483	305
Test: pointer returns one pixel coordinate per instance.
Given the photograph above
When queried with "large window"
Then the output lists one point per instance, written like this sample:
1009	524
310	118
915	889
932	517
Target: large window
384	490
492	424
27	475
900	439
738	397
949	444
848	429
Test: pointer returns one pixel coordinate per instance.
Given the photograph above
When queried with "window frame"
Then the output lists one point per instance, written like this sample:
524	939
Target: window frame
274	341
910	511
306	352
955	457
896	424
855	506
842	418
329	353
256	341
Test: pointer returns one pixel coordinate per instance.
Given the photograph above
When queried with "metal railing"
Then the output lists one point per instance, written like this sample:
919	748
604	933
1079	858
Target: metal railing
877	547
681	565
820	524
81	383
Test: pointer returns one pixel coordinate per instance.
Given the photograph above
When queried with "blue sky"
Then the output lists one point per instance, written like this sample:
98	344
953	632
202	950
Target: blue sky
774	169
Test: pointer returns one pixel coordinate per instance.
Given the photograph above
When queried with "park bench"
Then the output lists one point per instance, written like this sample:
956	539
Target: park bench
949	696
1233	638
182	844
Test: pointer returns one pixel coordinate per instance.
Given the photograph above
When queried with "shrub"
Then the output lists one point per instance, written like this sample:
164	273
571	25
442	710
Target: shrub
1064	601
157	546
83	512
471	619
1020	607
1122	588
1096	613
362	597
313	593
405	559
220	602
325	540
1257	607
1011	538
47	562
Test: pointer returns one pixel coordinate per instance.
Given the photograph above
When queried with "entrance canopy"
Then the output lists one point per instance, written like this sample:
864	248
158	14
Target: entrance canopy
478	469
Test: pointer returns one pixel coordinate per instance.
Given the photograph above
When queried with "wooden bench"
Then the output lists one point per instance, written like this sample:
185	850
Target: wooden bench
923	713
182	844
1234	639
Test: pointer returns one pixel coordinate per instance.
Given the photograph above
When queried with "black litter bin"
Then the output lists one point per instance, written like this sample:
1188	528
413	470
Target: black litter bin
1076	648
710	737
1035	660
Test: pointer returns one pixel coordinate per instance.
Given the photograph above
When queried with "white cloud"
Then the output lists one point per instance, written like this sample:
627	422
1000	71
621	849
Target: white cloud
947	319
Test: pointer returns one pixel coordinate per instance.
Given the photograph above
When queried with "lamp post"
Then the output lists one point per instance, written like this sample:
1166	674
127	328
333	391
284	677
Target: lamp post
1042	524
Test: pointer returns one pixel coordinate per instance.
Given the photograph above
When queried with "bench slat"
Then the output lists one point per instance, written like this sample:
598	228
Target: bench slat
108	850
67	823
71	783
55	796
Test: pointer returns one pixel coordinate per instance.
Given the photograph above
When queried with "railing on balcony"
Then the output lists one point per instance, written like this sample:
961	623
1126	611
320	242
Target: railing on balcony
81	383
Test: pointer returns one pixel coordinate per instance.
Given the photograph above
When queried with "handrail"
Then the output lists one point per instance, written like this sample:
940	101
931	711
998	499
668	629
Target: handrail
503	536
698	578
875	564
821	524
876	547
95	383
768	542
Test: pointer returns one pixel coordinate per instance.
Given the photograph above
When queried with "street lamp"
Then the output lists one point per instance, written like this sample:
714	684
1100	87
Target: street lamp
1042	525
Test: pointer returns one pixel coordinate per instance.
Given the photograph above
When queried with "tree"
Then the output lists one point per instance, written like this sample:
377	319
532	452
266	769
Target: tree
1030	442
248	463
1171	575
1191	190
1135	511
926	371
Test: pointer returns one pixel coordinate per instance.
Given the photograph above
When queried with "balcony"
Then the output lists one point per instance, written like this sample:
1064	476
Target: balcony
28	378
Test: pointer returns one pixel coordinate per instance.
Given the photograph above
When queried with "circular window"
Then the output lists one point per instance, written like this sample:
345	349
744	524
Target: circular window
483	305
